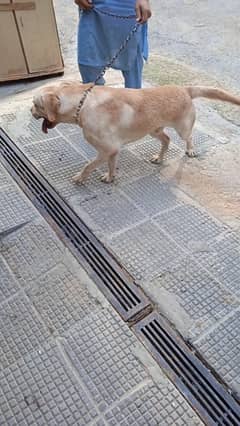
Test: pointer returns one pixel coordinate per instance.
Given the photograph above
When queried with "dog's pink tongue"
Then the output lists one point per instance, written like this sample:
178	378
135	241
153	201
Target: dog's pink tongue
45	125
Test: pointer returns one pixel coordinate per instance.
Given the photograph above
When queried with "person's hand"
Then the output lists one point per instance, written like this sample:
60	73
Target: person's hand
84	4
143	11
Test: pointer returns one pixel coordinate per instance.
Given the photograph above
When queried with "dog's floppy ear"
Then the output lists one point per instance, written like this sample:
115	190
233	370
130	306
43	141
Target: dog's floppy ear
51	103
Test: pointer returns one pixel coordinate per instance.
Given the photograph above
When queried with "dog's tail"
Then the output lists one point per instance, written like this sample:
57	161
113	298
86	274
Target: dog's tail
212	93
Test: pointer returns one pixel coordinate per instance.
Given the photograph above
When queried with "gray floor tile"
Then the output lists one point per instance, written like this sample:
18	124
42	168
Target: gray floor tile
33	133
6	119
203	299
145	250
31	251
87	150
100	422
61	164
93	187
55	154
20	330
108	213
147	147
61	180
61	297
68	129
93	183
190	227
154	406
101	349
15	208
151	194
130	167
202	141
8	283
221	348
222	259
39	390
68	189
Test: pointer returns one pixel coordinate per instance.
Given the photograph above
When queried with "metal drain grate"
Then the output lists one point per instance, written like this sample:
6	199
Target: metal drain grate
199	386
113	280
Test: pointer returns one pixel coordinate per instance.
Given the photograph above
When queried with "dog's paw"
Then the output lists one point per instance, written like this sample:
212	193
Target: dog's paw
191	153
106	178
156	159
78	179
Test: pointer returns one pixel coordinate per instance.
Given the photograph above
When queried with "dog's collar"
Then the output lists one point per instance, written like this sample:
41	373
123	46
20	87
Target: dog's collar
81	102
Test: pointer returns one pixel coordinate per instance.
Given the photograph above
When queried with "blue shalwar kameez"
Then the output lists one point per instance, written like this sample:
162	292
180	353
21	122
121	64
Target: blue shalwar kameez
100	36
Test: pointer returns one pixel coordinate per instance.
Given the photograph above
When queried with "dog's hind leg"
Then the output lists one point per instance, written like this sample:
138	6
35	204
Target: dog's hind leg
184	129
112	165
165	140
85	172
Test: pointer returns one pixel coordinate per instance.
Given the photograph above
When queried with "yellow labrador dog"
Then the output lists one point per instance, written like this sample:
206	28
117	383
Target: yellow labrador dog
111	117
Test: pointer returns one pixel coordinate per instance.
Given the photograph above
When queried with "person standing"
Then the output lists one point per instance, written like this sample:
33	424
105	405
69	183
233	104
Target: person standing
103	27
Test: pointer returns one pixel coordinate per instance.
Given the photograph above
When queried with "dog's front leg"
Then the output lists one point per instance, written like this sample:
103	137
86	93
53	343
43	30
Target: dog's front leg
85	172
190	147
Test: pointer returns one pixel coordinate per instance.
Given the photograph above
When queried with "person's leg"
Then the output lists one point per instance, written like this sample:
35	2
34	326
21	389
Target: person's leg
133	77
89	74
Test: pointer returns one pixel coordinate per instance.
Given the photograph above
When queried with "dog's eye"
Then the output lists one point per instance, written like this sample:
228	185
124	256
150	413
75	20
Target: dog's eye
37	106
36	103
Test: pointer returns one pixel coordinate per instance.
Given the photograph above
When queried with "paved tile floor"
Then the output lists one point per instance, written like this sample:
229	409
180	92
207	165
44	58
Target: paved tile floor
185	260
66	357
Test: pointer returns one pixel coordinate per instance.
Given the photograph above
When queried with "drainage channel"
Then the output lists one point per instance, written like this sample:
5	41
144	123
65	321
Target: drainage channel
212	401
115	282
194	380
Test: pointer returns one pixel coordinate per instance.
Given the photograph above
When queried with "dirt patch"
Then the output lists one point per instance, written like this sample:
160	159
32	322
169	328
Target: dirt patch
213	181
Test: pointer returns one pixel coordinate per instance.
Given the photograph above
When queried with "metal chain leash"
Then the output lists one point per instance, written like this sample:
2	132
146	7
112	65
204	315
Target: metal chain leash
112	60
113	15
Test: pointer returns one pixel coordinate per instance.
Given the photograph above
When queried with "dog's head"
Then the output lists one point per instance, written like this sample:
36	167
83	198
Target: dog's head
46	105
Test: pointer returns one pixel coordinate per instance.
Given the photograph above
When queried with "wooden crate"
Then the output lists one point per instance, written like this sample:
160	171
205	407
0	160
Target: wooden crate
29	43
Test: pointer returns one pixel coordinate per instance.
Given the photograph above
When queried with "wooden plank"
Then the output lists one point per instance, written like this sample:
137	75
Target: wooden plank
32	76
12	61
10	7
39	36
